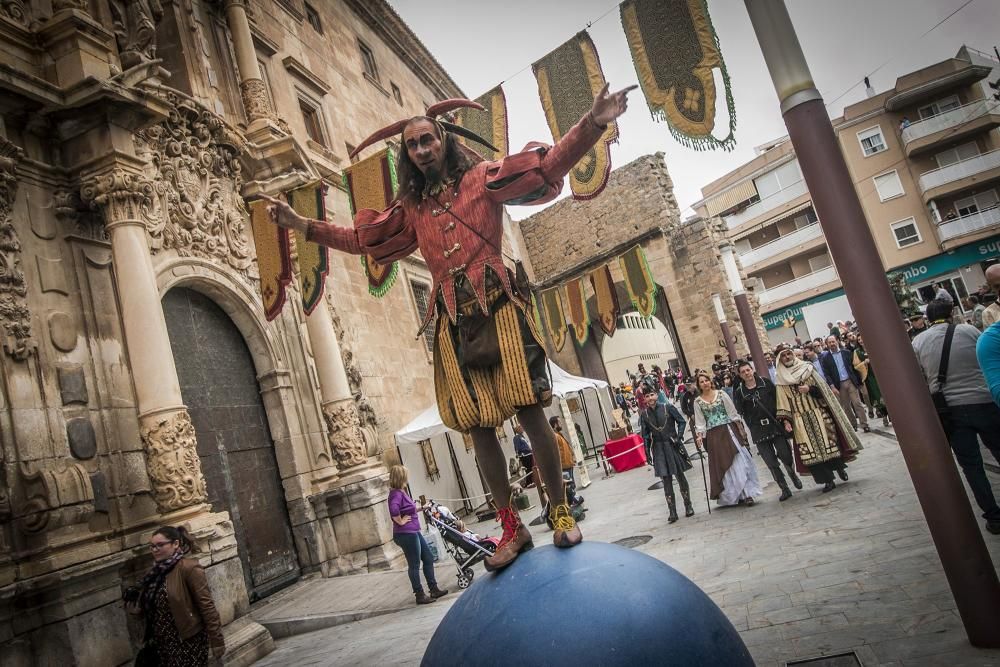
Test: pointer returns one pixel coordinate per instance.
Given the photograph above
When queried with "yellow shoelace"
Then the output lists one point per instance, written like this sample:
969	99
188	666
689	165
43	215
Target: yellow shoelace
561	517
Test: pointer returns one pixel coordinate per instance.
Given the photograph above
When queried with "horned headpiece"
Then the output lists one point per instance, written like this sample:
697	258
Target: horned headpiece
433	111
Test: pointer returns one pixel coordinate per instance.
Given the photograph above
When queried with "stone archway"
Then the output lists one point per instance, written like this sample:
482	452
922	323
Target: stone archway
219	386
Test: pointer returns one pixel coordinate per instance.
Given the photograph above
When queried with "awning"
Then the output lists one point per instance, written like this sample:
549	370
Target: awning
428	423
787	214
737	194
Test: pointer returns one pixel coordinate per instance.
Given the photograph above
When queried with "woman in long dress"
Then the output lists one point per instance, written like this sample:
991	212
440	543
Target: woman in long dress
719	429
862	364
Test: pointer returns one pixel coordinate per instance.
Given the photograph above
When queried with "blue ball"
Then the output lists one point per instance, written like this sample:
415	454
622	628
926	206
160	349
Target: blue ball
594	604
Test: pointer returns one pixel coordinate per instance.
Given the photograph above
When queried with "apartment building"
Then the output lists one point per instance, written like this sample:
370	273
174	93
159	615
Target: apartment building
925	160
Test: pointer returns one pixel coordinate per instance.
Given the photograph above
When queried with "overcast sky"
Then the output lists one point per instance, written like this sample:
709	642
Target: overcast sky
481	43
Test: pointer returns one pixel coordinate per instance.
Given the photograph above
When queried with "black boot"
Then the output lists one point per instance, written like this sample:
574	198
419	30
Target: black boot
672	505
842	473
688	507
422	598
786	493
829	486
796	482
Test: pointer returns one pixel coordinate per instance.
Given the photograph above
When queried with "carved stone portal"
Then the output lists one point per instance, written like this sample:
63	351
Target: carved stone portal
196	206
15	318
344	433
172	461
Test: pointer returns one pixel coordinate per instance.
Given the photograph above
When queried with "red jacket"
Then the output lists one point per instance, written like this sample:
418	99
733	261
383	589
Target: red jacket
533	176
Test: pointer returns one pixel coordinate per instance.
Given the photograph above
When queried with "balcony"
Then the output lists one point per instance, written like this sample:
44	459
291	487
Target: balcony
782	244
801	284
951	126
767	204
968	224
960	175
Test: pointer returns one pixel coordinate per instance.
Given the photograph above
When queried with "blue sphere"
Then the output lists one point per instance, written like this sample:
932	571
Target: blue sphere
594	604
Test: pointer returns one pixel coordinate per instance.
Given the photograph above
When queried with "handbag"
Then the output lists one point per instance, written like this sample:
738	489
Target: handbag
940	403
147	655
478	341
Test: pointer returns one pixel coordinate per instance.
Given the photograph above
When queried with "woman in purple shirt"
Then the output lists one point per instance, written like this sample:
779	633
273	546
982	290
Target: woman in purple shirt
406	533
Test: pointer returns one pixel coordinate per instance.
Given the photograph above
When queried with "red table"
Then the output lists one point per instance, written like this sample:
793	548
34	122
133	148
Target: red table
633	459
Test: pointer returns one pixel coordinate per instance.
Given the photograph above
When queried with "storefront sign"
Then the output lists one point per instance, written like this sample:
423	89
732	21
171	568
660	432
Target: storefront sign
776	319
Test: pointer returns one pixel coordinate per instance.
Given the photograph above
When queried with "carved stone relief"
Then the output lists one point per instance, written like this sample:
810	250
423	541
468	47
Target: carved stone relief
256	101
135	29
15	318
55	497
196	208
345	435
172	462
16	11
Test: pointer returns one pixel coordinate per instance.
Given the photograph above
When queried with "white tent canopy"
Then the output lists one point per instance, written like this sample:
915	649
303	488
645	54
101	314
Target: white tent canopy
428	423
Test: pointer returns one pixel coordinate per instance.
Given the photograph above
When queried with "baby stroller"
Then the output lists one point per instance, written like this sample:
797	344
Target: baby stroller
464	546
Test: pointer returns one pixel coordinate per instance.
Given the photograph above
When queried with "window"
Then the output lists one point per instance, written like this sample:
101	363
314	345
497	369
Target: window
806	218
397	94
267	81
312	18
368	60
313	121
871	141
940	106
888	186
422	300
957	153
976	203
819	262
778	179
906	233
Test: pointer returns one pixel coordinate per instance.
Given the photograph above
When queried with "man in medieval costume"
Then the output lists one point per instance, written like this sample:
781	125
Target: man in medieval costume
489	362
663	429
824	440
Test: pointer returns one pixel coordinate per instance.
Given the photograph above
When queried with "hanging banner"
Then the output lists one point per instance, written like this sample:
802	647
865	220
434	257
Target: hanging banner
568	79
639	281
606	299
555	317
313	259
489	124
271	244
579	316
675	50
370	184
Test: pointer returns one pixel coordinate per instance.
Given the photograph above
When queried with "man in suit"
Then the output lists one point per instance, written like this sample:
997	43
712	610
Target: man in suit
838	368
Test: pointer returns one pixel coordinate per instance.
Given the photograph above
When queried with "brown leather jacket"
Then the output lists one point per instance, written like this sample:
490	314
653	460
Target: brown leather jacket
191	603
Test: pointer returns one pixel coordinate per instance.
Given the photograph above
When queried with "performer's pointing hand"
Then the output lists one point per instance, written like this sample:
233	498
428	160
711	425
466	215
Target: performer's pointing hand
607	106
283	215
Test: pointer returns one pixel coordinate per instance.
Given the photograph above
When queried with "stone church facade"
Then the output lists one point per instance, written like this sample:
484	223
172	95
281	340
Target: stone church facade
571	238
140	383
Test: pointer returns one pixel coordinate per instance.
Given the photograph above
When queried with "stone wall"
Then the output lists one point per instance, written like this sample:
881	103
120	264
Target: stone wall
569	238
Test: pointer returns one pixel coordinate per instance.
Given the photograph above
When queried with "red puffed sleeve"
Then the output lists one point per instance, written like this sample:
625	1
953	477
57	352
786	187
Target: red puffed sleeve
385	235
535	175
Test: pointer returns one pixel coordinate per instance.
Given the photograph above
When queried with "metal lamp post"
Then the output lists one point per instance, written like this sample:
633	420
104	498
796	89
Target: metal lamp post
743	307
727	335
964	557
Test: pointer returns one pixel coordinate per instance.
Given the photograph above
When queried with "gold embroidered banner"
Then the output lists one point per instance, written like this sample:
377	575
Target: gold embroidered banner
313	259
490	124
568	79
271	244
605	299
675	50
639	281
555	317
579	316
370	184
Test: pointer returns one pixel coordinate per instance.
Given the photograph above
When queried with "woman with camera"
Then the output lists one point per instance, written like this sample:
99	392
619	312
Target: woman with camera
181	619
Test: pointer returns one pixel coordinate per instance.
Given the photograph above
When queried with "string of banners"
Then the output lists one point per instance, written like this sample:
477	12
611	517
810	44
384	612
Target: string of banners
675	51
565	310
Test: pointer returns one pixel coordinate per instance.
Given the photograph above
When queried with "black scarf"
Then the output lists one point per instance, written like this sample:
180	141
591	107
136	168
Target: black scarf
155	579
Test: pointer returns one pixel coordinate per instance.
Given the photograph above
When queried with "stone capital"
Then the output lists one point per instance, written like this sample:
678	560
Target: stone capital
344	433
122	197
172	460
255	99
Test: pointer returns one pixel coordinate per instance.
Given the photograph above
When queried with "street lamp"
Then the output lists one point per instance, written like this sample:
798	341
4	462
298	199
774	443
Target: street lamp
743	307
964	556
727	336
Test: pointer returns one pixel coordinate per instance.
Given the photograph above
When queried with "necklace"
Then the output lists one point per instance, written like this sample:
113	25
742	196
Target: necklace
656	427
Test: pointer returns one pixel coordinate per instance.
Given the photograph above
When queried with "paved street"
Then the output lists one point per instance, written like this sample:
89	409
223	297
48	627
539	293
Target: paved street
816	575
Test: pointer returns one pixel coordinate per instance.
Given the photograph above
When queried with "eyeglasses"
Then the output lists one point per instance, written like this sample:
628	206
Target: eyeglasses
153	546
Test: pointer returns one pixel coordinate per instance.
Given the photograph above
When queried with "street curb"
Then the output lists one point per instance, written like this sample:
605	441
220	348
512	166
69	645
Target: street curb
282	628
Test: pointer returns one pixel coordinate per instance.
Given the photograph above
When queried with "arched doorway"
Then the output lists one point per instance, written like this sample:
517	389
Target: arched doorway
219	386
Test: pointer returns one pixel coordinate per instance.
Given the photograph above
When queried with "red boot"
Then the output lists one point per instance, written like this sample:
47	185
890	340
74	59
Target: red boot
514	540
565	531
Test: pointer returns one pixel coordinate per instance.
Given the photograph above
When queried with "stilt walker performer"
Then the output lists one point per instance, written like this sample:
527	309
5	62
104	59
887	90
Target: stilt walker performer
489	363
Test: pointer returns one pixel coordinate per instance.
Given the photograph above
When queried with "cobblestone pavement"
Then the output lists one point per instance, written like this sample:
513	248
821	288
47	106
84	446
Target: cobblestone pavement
819	574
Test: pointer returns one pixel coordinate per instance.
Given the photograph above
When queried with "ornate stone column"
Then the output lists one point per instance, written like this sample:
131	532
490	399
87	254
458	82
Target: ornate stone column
165	426
256	101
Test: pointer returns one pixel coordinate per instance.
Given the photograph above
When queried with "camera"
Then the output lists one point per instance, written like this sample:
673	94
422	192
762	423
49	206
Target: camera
131	594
